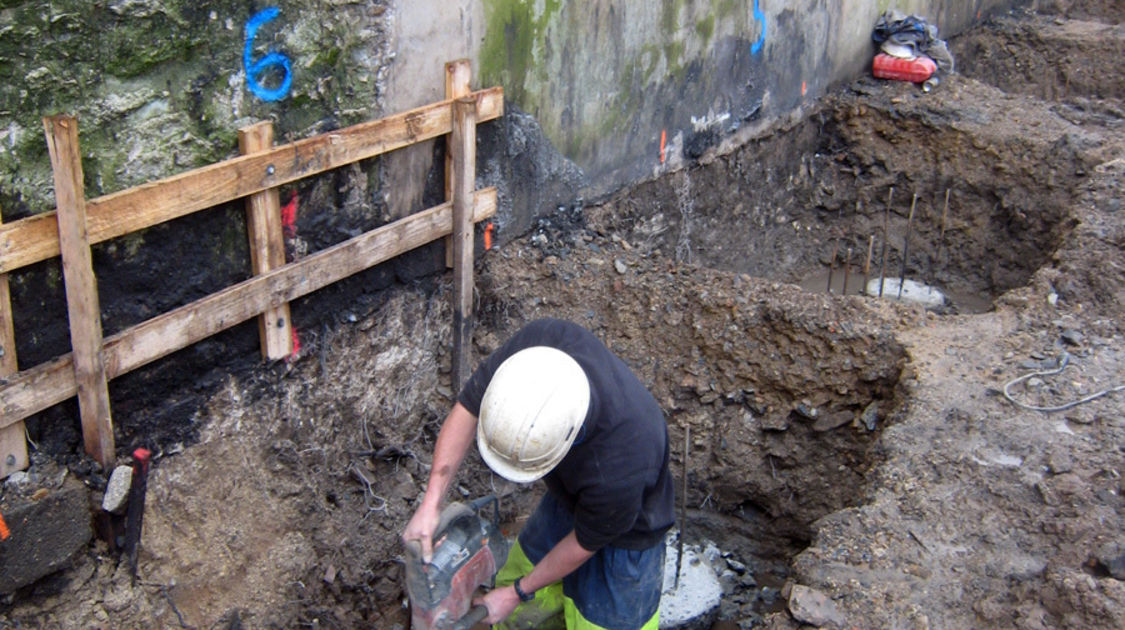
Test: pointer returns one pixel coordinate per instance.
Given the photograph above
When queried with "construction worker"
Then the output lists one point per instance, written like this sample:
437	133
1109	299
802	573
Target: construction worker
555	404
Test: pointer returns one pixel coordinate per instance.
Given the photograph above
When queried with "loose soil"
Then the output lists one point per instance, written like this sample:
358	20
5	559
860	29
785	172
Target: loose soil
863	447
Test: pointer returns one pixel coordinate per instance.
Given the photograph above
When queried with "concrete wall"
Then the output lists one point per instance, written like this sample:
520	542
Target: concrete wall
161	86
607	79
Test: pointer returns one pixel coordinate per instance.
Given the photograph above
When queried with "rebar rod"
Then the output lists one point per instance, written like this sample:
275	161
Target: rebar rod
867	263
886	222
906	245
847	270
683	507
941	236
832	265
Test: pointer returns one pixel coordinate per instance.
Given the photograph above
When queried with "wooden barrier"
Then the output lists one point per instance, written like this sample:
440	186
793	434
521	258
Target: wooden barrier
76	224
13	446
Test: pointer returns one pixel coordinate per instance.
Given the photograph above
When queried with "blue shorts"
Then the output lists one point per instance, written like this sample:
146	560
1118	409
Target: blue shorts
617	589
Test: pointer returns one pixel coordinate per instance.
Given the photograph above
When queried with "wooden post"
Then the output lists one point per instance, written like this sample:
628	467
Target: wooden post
13	444
464	181
267	245
81	288
458	75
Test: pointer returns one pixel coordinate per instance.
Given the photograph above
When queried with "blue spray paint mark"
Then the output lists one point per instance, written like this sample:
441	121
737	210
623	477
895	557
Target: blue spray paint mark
761	17
255	69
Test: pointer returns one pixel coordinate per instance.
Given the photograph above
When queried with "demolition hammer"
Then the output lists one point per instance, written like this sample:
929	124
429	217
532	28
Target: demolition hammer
468	551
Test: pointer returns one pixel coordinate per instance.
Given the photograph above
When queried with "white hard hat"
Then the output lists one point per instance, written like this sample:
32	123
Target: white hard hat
531	412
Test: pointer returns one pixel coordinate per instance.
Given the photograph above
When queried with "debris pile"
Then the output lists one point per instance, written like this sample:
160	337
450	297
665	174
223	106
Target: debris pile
909	50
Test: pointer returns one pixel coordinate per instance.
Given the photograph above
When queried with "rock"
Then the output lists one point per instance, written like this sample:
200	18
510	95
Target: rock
1060	462
45	535
805	410
870	416
775	422
1111	557
1021	567
813	607
830	421
1073	337
620	266
117	492
17	479
737	566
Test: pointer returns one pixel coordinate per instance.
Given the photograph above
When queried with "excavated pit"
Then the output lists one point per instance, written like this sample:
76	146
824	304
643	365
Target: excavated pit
792	206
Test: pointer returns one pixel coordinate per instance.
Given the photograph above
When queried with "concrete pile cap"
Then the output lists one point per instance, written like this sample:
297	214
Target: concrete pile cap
696	602
911	291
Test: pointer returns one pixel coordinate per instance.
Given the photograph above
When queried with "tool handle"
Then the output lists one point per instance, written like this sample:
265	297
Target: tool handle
477	614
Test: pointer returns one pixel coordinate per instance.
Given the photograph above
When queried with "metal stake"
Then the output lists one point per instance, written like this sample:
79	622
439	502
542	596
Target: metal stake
683	507
867	263
832	265
941	237
886	222
847	270
906	245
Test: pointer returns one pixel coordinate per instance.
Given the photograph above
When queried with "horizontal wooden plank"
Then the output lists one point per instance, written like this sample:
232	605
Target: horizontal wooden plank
34	390
35	238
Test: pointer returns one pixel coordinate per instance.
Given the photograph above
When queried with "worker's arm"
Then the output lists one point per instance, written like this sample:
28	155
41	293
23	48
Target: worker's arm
454	439
560	562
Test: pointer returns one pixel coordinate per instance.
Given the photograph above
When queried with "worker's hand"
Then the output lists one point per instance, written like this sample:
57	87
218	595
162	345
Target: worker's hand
500	603
421	529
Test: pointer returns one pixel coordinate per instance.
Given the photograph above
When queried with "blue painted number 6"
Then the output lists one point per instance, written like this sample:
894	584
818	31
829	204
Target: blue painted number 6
255	69
761	17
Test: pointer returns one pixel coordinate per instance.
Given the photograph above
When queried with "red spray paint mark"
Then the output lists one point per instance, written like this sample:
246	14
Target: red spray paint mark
289	217
663	140
488	236
4	531
804	88
296	345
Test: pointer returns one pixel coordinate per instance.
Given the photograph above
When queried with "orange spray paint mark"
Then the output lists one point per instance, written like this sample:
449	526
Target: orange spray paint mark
4	531
978	15
488	236
804	88
663	140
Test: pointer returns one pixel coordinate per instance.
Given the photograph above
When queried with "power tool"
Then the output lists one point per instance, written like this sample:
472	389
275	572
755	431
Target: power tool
468	551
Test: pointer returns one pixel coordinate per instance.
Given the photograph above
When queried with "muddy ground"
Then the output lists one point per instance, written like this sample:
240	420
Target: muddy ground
863	447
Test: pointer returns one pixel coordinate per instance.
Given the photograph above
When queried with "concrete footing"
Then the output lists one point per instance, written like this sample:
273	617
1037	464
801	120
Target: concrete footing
694	604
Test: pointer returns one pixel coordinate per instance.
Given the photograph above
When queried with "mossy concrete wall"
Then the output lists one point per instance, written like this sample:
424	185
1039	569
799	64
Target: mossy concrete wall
160	86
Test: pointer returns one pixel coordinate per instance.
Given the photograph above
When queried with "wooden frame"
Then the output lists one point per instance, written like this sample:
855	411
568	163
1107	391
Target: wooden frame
78	223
